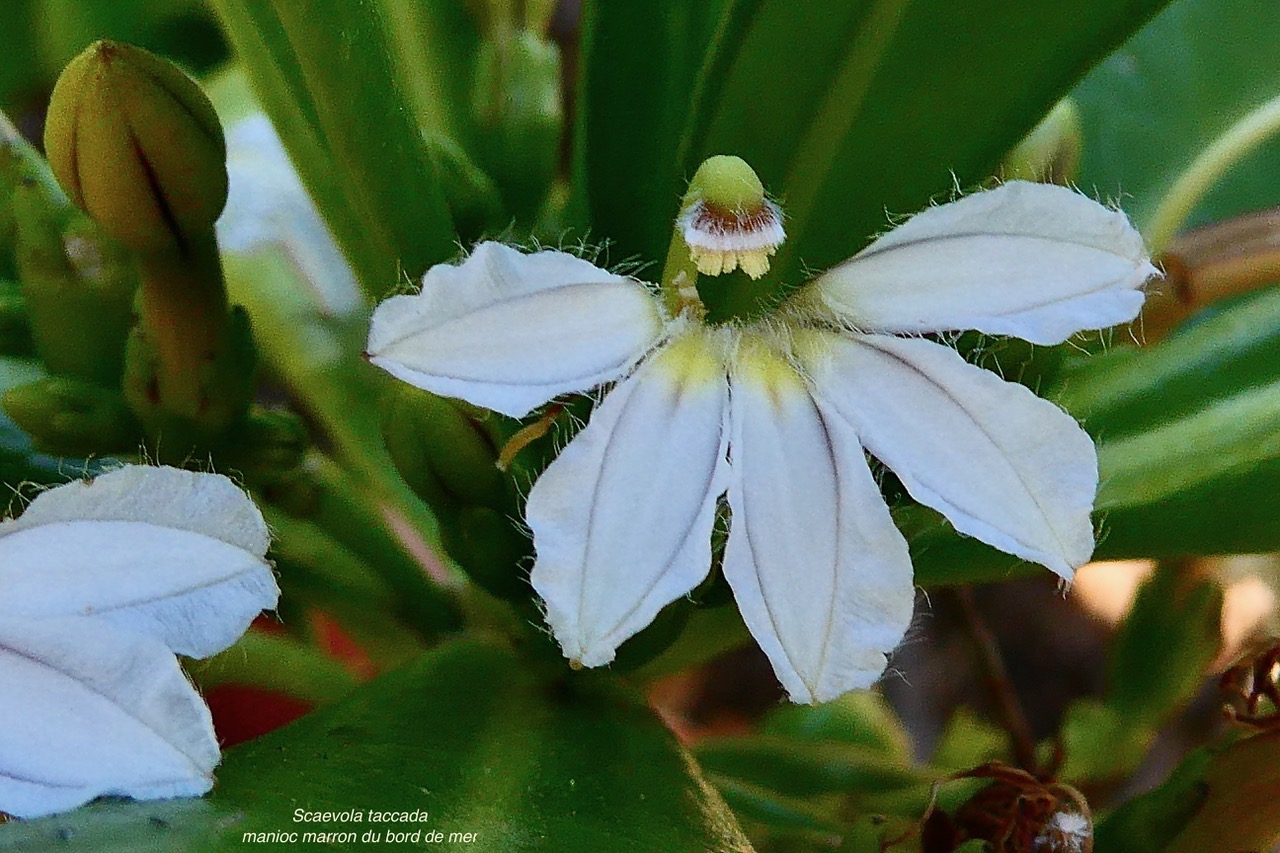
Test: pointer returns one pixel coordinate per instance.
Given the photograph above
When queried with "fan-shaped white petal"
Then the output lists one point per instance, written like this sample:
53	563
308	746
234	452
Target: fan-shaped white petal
88	710
821	575
1000	463
1035	261
177	555
622	519
509	331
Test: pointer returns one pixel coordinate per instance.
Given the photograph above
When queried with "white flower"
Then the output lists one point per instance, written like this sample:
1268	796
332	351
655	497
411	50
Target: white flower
101	584
778	413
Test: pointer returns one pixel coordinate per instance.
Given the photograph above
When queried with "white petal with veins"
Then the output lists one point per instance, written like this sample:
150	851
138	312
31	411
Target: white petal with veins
821	575
510	331
622	519
88	710
1035	261
1000	463
173	554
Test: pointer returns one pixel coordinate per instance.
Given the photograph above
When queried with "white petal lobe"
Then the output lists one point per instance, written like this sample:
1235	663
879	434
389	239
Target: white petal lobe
1034	261
1003	465
176	555
88	711
510	331
821	575
622	519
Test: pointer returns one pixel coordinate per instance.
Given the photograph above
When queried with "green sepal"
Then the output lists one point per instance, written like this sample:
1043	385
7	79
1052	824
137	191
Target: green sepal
442	450
71	417
492	550
265	447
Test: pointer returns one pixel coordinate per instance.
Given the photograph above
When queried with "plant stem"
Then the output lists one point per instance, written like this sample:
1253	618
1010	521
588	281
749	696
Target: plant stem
1232	146
997	678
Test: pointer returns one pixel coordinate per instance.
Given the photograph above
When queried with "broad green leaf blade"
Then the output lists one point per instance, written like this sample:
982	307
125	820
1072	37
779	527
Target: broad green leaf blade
1162	653
469	734
1170	91
640	61
1222	797
324	73
847	110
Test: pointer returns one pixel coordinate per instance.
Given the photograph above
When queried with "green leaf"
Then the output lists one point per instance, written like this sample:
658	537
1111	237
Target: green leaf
468	734
1101	744
1162	652
774	810
968	740
846	110
862	717
804	769
1169	92
640	63
1129	390
324	73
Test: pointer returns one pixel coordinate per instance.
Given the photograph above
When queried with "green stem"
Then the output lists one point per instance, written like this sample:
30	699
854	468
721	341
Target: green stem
1232	146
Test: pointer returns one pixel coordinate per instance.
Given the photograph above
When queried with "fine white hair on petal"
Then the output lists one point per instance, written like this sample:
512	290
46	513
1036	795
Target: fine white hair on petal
1034	261
88	711
177	555
821	575
509	331
622	519
1002	465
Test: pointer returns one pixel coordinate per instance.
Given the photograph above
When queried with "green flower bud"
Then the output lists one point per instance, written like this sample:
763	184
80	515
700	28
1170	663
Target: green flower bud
136	144
78	285
442	452
1051	151
518	110
70	417
492	551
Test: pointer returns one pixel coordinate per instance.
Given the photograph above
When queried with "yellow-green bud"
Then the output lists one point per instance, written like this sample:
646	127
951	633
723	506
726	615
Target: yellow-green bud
136	144
68	417
1051	151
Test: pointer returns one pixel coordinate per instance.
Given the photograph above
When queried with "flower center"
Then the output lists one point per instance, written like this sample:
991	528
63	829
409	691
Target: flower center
725	224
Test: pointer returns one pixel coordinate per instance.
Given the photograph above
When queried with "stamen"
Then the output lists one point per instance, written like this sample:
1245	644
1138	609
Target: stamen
721	240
